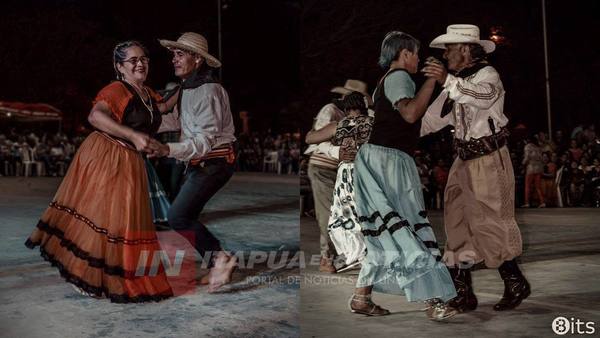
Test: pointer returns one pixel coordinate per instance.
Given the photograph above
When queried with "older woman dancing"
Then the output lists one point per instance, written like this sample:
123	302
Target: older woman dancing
100	220
402	252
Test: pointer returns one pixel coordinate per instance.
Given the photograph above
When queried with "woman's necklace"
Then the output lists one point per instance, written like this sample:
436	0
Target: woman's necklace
148	104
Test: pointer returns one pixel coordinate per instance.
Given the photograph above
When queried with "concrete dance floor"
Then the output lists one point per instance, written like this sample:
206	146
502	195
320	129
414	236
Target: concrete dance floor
561	261
253	212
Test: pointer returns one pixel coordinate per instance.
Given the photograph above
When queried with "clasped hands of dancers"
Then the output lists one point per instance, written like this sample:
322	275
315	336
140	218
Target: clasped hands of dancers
151	146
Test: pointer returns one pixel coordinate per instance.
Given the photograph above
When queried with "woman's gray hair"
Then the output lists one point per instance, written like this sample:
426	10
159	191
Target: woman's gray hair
393	43
120	53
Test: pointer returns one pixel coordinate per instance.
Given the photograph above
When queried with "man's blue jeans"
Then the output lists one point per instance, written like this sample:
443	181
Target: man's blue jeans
200	185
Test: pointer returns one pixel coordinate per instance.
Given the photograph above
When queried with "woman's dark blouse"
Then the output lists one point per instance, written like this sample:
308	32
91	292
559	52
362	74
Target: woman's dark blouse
390	129
128	109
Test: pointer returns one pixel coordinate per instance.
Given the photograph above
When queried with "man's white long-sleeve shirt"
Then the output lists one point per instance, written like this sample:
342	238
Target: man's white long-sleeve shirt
205	121
476	98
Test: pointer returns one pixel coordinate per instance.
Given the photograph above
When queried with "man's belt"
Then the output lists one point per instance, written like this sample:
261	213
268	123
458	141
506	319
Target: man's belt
475	148
226	152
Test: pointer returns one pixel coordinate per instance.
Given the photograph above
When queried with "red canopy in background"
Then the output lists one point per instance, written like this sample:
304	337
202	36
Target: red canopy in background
29	112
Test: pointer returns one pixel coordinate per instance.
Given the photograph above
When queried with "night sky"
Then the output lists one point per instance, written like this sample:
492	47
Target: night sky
282	57
59	52
354	31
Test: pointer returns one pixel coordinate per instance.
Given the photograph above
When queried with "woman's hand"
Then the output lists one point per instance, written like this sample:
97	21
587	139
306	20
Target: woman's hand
100	117
142	142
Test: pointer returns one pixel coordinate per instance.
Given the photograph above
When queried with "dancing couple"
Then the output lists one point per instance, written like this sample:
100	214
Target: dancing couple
101	219
402	252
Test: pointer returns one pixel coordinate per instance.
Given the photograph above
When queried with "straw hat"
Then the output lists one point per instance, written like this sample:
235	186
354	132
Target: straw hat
351	86
195	43
462	34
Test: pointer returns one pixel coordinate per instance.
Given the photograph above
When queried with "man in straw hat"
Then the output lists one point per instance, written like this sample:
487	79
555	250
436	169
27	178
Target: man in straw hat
322	170
479	198
353	86
205	144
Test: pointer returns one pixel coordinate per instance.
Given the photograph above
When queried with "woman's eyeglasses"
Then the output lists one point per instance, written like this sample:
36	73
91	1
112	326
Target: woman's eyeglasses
134	60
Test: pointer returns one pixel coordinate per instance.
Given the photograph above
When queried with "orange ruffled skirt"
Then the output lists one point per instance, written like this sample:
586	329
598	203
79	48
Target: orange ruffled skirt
98	229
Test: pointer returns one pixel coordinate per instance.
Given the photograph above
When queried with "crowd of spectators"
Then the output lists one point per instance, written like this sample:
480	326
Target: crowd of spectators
27	153
549	172
556	172
269	152
49	154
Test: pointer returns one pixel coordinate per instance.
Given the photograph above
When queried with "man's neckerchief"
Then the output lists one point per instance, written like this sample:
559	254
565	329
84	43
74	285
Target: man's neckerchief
463	73
196	79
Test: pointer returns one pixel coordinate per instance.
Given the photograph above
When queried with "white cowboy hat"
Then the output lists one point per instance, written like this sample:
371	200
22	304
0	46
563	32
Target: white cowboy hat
462	34
195	43
351	86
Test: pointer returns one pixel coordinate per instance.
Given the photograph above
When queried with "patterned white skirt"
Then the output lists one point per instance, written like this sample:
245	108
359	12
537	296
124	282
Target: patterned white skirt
344	227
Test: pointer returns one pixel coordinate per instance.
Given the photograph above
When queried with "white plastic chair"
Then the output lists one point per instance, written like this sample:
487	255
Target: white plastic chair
270	161
28	160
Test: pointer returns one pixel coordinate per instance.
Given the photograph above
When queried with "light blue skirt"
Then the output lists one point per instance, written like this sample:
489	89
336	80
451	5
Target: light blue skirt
158	198
402	253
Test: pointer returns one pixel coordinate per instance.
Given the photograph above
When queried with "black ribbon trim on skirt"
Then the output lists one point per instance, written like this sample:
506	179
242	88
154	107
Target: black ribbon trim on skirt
383	227
389	216
94	262
420	226
431	244
100	291
386	219
397	226
376	214
100	230
370	219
